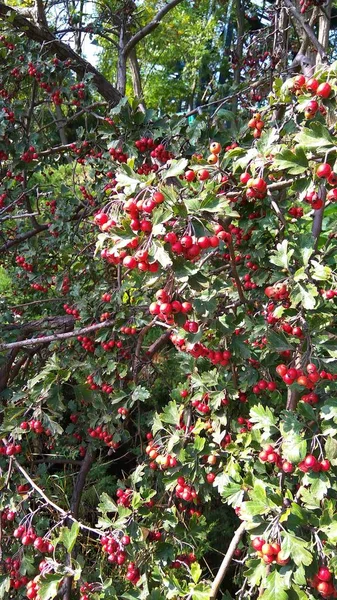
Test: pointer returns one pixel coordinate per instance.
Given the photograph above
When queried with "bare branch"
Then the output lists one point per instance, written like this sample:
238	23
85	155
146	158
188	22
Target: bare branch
56	336
142	33
227	560
50	503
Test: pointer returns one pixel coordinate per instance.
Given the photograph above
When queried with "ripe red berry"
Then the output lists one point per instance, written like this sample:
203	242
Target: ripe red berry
324	171
324	574
324	90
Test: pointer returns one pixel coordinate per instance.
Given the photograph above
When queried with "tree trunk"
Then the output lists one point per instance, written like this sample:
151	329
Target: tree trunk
136	78
121	64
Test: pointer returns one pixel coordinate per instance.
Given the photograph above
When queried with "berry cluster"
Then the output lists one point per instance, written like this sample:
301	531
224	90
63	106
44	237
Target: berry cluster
262	386
87	343
186	492
52	204
118	155
124	497
322	582
144	144
215	149
256	187
12	567
311	464
165	307
35	426
128	330
114	547
154	536
197	350
100	434
270	552
10	449
189	246
106	297
21	262
32	589
257	125
107	346
38	287
133	573
247	424
278	291
104	223
29	155
71	311
328	294
159	460
86	589
183	560
296	212
290	375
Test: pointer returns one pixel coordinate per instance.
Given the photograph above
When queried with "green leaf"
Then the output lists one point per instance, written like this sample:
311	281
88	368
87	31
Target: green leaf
295	593
171	413
196	572
275	587
252	508
264	419
68	536
296	548
294	447
331	448
278	341
329	410
315	137
159	254
293	162
320	272
5	582
107	504
49	586
201	592
282	255
304	295
140	394
177	167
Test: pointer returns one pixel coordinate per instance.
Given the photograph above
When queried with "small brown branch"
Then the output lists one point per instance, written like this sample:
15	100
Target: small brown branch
142	33
56	336
142	334
235	273
227	560
158	344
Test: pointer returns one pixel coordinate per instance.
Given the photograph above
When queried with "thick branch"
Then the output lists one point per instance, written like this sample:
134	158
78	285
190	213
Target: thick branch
142	33
56	336
66	321
22	237
62	51
226	561
308	30
74	507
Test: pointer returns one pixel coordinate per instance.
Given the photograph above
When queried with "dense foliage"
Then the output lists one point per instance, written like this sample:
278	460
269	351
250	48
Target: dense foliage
168	332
